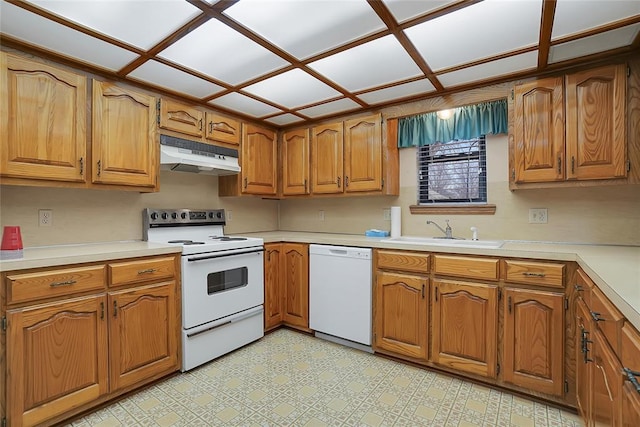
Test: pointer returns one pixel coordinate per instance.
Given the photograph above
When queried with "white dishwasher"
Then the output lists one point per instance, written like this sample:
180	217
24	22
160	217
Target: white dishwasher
340	292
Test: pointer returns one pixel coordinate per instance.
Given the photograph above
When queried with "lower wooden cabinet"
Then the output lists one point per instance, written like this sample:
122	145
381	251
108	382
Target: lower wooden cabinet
69	353
583	339
533	340
606	384
57	358
142	338
286	282
630	406
465	326
401	314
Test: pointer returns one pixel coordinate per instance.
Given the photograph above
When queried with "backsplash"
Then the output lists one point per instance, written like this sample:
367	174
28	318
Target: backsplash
85	216
607	215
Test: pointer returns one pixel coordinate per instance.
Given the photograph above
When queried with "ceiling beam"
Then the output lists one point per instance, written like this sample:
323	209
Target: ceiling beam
546	27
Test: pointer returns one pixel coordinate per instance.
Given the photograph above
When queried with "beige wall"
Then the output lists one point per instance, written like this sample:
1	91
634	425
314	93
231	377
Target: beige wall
82	216
591	215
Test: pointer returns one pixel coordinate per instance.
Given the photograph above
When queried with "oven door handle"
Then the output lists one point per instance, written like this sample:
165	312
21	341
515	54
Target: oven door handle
225	254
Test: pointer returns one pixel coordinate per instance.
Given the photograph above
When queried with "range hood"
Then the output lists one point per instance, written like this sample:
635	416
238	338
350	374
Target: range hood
182	155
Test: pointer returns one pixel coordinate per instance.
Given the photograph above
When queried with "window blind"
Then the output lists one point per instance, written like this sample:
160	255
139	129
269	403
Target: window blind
453	172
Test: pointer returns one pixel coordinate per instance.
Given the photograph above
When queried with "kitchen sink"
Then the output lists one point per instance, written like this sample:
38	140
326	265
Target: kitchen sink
435	241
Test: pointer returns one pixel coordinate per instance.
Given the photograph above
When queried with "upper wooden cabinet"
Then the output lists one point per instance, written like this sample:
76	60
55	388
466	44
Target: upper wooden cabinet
42	121
350	157
572	128
363	154
258	162
327	167
206	126
295	162
124	143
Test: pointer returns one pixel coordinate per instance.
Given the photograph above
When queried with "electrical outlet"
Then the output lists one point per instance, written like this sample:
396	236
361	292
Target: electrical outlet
321	215
386	214
45	217
229	216
538	216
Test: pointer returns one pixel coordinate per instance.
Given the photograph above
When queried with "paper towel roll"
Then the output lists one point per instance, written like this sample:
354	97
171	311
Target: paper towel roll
396	217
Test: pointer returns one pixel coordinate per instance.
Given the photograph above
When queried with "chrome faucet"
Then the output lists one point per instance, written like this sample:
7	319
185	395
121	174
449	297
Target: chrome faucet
447	232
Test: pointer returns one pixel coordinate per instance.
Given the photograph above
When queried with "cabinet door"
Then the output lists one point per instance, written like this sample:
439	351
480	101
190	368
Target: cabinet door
533	340
223	129
296	283
326	158
363	154
539	131
401	314
143	333
181	118
56	358
259	160
42	121
465	326
125	147
607	383
273	287
630	406
295	162
596	129
583	344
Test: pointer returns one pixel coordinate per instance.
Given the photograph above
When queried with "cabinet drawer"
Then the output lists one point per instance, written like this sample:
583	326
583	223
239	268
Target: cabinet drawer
403	261
475	268
583	286
53	283
535	273
607	317
630	347
143	270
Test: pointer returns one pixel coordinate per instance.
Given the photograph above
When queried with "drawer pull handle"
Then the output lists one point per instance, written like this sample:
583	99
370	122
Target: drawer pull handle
596	316
65	283
528	274
115	309
148	271
578	288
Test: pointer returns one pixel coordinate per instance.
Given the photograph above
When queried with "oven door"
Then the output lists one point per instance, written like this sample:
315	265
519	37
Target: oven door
219	284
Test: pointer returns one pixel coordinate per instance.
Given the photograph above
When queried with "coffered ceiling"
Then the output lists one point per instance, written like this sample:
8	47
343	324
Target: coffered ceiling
285	62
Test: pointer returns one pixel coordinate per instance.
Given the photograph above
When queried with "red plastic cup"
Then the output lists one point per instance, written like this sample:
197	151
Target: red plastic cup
11	238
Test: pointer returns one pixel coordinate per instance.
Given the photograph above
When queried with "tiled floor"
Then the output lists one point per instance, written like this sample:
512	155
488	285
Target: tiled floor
291	379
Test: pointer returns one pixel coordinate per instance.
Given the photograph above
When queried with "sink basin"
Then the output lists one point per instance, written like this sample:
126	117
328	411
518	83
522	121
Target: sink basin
460	243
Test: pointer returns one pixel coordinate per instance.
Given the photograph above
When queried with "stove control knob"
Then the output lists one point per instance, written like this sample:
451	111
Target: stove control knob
165	215
174	215
154	215
219	215
183	215
210	214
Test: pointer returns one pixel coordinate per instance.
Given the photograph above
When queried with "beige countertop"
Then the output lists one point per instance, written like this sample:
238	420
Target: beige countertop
51	256
615	269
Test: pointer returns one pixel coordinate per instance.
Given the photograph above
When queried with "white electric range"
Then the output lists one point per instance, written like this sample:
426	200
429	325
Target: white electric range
222	281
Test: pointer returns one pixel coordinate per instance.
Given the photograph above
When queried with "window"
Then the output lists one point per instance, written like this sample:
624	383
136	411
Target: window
453	172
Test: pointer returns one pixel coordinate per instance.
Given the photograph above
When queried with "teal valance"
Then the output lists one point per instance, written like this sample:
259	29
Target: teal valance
467	122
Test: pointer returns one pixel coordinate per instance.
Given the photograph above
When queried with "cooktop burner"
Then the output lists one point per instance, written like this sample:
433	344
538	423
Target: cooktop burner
186	242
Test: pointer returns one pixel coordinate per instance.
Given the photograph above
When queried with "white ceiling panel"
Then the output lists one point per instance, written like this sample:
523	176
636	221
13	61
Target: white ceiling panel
479	31
245	105
594	44
575	16
284	119
31	28
371	64
133	22
404	10
292	89
396	92
221	52
332	107
497	68
307	27
170	78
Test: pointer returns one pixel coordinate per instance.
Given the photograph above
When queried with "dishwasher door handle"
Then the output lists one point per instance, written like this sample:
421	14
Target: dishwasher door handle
338	251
